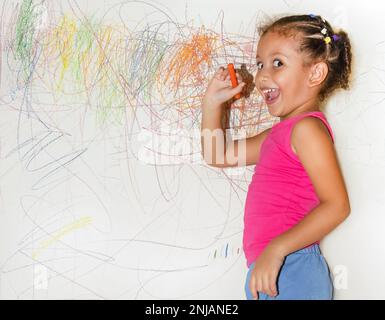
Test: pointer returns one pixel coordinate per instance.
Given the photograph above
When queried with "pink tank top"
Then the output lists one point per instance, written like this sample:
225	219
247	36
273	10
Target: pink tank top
280	193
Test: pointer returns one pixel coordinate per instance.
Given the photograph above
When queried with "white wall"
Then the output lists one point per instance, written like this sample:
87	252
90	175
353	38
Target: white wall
87	212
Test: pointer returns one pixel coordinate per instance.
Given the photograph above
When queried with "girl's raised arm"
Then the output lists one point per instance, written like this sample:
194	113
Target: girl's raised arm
216	151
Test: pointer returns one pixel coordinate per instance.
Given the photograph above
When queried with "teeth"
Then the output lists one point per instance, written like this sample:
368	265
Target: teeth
269	90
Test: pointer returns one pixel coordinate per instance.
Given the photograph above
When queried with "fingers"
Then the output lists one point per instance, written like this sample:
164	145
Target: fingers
218	73
239	77
269	285
265	285
237	89
220	86
223	74
253	287
273	285
258	288
219	70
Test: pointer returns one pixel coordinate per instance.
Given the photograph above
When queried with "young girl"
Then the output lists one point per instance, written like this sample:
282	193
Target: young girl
297	194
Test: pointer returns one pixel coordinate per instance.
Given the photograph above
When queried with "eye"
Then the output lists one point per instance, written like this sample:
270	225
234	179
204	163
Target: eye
259	65
277	63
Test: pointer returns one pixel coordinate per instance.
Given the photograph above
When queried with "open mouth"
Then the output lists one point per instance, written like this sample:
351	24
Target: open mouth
271	95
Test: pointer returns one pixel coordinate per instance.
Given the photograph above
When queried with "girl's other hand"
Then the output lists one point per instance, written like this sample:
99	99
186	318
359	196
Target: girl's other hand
264	275
220	89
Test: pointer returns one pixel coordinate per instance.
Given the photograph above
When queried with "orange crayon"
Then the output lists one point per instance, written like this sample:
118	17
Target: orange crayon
233	78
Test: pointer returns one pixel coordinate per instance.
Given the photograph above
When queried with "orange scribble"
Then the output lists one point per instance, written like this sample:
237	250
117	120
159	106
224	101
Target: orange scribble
191	58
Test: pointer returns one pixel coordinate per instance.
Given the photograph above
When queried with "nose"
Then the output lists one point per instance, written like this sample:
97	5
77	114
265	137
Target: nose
261	76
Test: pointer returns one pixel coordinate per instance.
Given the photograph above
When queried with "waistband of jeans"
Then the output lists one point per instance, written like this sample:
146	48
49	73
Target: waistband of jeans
311	249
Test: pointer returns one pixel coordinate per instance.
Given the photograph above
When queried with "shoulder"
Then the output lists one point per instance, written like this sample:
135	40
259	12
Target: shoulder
312	126
310	130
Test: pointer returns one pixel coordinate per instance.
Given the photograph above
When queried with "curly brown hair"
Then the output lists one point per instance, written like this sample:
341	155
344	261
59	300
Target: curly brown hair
336	53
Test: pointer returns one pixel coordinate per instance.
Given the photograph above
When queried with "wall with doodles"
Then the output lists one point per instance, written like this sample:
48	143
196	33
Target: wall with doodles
103	190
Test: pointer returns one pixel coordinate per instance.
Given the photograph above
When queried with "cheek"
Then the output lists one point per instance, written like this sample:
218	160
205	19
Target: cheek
285	82
291	83
257	77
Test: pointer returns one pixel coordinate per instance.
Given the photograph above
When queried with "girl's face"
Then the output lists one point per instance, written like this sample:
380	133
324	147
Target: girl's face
282	77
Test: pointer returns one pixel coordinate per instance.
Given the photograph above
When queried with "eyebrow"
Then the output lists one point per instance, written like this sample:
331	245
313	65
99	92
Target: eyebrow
275	54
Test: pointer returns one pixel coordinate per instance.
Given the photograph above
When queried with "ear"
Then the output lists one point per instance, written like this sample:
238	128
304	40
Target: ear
318	73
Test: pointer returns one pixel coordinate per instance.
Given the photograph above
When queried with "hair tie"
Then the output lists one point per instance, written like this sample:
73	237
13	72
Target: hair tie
324	31
327	40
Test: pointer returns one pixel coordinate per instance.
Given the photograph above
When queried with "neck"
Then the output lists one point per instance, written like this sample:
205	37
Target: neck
309	106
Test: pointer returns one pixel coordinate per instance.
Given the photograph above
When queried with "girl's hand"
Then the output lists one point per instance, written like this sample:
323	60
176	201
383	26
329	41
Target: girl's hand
220	89
264	275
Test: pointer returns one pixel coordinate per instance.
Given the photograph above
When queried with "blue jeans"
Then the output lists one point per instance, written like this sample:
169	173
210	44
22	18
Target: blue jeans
304	275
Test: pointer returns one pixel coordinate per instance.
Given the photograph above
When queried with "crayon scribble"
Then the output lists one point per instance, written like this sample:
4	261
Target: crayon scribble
79	87
78	224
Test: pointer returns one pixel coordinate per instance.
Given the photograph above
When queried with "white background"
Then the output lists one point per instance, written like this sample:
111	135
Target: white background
170	230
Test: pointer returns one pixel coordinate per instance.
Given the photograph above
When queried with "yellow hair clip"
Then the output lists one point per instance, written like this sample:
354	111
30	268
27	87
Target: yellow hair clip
327	40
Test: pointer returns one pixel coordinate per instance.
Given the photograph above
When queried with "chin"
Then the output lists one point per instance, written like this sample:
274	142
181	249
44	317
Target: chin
274	111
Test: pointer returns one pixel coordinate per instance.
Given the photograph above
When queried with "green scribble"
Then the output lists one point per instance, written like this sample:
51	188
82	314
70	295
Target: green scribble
84	44
25	28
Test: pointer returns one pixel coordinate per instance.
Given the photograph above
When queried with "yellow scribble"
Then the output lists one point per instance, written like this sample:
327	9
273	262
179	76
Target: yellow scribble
64	35
80	223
